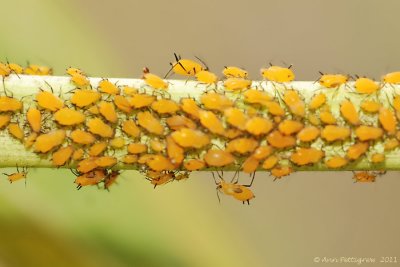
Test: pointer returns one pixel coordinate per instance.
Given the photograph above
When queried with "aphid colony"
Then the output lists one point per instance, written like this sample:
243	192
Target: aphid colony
234	123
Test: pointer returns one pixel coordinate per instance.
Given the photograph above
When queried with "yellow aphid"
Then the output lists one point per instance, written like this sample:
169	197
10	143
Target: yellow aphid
336	162
215	101
78	154
274	108
236	117
129	91
165	106
371	106
251	111
335	133
270	162
262	152
349	112
130	128
189	138
97	148
93	177
130	159
294	102
94	110
108	111
304	156
281	171
160	163
150	123
391	144
258	125
234	72
87	165
175	153
278	140
278	74
15	68
236	84
34	118
105	161
16	131
68	117
308	134
332	80
317	101
74	71
289	127
117	142
97	126
218	158
232	133
141	100
107	87
194	164
250	165
387	120
211	122
62	155
4	70
185	67
4	120
242	145
254	96
189	106
83	97
157	145
49	101
177	122
366	133
327	118
17	175
30	140
137	148
153	80
80	81
46	142
377	158
38	70
206	77
392	77
396	102
82	137
9	104
313	119
122	103
356	150
366	86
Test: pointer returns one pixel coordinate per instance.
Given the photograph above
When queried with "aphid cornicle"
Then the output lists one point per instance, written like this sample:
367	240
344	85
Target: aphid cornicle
17	175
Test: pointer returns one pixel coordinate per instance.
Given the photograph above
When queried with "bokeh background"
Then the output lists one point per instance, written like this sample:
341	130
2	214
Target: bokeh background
47	222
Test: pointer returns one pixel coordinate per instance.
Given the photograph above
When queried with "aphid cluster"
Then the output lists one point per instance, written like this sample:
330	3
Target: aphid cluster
233	123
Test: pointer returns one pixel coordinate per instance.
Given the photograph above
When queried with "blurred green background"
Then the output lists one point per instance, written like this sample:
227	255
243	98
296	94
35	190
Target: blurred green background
47	222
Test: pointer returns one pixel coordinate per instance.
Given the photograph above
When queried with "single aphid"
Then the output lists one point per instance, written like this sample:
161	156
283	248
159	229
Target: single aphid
215	101
308	134
356	150
190	138
138	101
122	104
4	120
16	131
232	133
366	86
305	156
289	127
34	118
15	68
74	71
185	67
189	106
218	158
262	152
157	145
326	117
242	145
206	77
236	117
107	110
332	80
177	122
165	106
211	122
270	162
313	119
93	177
107	87
278	140
137	148
46	142
278	74
62	156
371	106
392	77
237	84
106	161
176	154
281	171
349	112
149	122
336	162
47	100
78	154
87	165
130	159
69	117
158	177
97	126
377	158
82	137
234	72
254	96
9	104
153	80
160	163
367	133
194	164
274	108
117	142
17	175
387	120
294	102
250	165
84	97
317	101
131	129
129	91
80	81
258	125
97	148
333	133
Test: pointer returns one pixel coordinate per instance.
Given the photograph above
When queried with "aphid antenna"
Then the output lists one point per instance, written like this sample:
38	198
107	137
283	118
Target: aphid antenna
51	88
236	175
75	172
205	65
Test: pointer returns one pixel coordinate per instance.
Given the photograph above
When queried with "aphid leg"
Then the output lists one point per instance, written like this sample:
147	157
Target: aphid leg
252	180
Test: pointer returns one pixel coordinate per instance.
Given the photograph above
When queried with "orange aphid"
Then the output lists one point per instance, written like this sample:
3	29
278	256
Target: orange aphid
87	165
4	70
4	120
159	163
97	126
278	74
396	102
175	153
190	138
108	111
332	80
194	165
17	175
234	72
236	84
122	104
137	148
38	70
366	133
242	145
206	77
62	155
130	128
366	86
357	150
143	159
308	134
73	71
278	140
141	100
391	144
83	98
281	171
377	157
317	101
189	106
9	104
370	106
157	145
30	140
215	101
336	162
250	165
105	86
392	77
274	108
232	133
327	117
150	123
289	127
129	91
94	110
159	178
97	149
254	96
294	102
68	117
177	122
313	119
349	112
90	178
304	156
335	133
270	162
15	130
258	125
153	80
262	152
80	80
235	117
210	121
364	177
78	154
239	192
82	137
117	142
130	159
218	158
49	101
165	106
34	118
387	120
46	142
106	161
